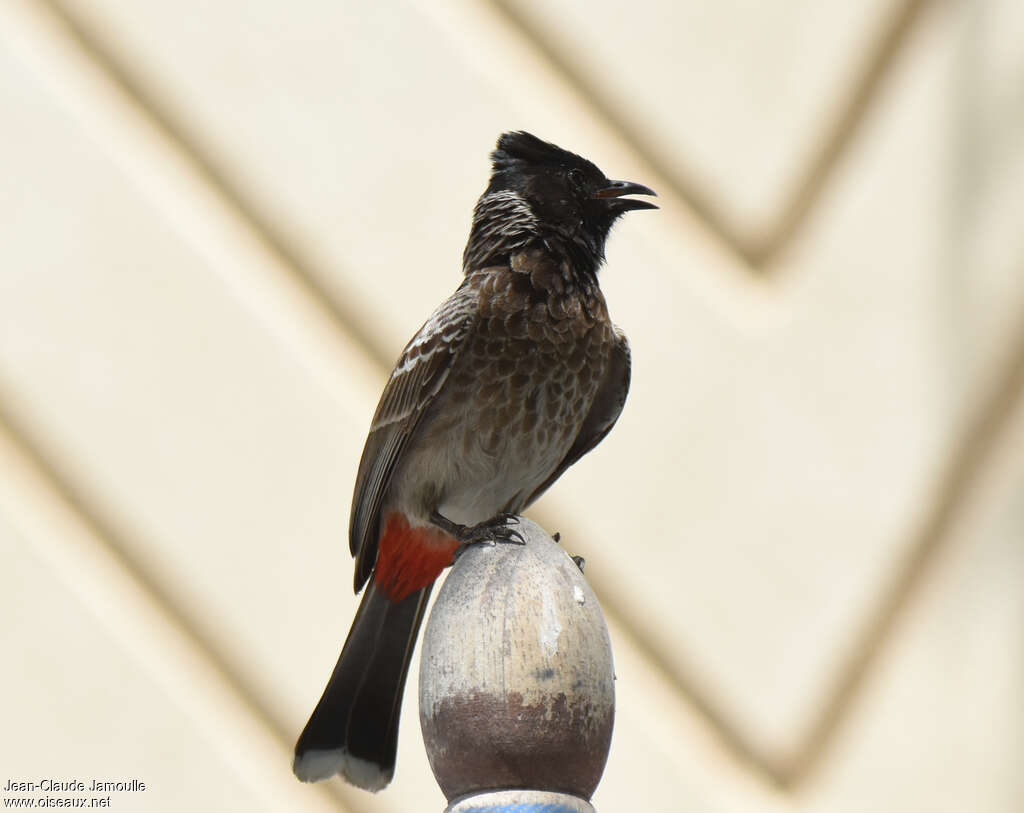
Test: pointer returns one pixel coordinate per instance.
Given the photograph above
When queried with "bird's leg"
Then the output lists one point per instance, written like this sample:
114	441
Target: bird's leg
496	529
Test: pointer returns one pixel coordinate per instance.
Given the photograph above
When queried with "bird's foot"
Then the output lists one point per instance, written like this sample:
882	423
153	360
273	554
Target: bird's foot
489	532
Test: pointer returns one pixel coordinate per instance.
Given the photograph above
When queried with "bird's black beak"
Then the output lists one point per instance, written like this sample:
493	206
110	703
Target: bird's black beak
612	193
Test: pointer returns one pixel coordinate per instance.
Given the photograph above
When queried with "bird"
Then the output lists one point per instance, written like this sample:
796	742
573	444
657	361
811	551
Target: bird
510	381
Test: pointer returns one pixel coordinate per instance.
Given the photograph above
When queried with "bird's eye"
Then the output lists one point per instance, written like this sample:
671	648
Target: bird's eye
577	177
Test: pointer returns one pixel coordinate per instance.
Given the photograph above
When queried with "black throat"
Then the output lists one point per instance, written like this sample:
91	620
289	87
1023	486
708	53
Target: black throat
503	224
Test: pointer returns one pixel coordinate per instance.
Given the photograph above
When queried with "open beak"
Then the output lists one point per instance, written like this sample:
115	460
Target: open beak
614	190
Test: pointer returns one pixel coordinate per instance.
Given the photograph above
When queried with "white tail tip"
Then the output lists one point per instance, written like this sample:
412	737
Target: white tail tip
315	766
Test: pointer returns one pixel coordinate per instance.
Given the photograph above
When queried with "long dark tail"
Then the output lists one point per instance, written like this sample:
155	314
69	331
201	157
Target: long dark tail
353	730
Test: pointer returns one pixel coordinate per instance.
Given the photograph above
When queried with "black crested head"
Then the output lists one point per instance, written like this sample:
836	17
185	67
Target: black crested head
519	149
539	190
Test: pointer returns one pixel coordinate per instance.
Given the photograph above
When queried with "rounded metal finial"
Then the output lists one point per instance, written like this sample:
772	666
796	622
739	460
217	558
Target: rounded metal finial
516	677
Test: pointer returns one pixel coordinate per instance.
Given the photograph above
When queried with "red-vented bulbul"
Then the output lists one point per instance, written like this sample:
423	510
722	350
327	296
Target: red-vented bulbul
510	381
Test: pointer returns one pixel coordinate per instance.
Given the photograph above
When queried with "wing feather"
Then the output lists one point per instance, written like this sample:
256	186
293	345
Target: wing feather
417	378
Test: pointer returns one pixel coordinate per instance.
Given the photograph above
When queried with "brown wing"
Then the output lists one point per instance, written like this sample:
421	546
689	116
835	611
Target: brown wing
418	376
604	412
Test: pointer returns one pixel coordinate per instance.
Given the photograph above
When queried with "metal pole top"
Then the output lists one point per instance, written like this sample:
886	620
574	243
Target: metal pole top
517	687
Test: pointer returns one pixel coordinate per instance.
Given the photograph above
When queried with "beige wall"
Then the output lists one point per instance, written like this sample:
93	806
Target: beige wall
220	223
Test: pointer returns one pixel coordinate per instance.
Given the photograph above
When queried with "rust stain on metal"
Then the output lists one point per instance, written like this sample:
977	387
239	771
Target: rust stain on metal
515	744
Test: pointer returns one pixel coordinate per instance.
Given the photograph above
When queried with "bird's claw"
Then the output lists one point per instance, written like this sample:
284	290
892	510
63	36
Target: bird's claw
490	533
496	530
503	533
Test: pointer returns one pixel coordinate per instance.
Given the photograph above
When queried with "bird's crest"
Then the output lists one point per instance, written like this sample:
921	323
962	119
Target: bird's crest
517	148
